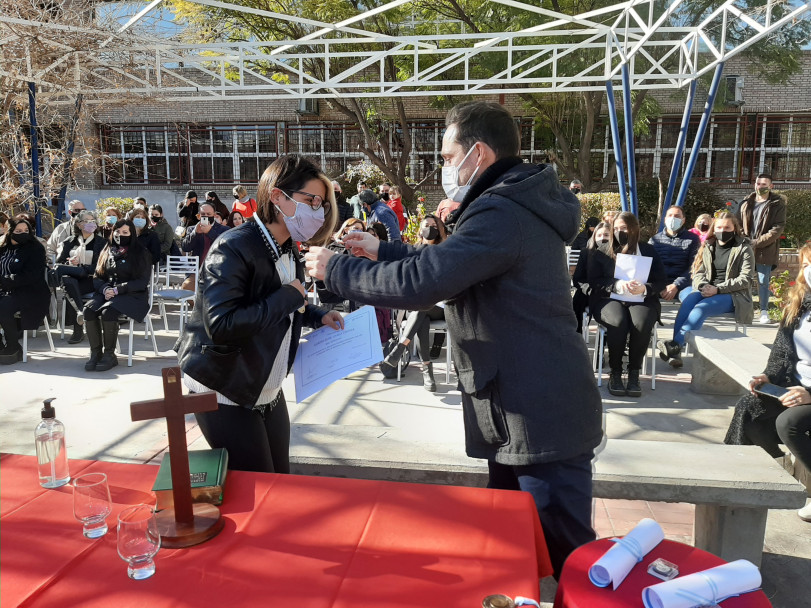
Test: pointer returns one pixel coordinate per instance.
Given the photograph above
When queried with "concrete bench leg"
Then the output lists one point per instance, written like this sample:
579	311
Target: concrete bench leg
709	380
731	532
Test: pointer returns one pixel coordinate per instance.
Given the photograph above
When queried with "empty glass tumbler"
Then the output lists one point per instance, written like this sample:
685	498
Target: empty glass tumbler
138	540
92	503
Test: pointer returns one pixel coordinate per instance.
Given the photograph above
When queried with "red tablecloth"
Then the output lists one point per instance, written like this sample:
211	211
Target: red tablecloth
575	590
288	540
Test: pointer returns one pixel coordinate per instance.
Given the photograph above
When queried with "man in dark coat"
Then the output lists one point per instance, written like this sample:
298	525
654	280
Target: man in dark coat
530	402
677	248
763	218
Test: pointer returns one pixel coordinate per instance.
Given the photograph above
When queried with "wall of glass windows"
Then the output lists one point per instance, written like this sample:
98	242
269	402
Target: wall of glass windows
735	149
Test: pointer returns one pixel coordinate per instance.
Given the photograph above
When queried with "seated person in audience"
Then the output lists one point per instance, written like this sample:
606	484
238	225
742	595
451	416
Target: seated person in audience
768	421
23	288
625	322
146	236
580	299
162	229
395	203
581	241
723	274
378	230
242	202
418	322
702	226
220	208
378	211
111	216
75	267
677	248
121	281
64	231
199	238
235	218
31	219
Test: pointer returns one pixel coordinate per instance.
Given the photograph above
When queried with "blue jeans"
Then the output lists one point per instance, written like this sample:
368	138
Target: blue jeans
694	311
562	494
764	274
685	292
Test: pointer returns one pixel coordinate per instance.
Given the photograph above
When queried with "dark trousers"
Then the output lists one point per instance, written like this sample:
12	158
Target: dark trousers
254	442
108	313
626	321
791	426
423	327
75	282
9	306
562	494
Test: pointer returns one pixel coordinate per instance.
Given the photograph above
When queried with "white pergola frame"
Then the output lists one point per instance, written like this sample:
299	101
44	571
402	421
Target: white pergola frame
659	54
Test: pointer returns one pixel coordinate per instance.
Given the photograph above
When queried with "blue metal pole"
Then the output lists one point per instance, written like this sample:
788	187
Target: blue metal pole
629	138
615	138
32	108
702	129
681	143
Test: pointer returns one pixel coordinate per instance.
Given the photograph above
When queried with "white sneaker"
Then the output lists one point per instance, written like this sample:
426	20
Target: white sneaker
764	318
805	512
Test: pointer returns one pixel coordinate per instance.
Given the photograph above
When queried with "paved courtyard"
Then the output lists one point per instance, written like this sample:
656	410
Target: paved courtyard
95	410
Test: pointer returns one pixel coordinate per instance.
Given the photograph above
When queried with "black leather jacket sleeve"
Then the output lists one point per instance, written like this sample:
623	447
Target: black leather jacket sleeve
230	316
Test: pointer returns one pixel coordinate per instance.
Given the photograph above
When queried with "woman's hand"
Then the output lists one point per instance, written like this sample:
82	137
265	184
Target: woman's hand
109	293
362	244
333	319
709	290
757	381
796	395
636	288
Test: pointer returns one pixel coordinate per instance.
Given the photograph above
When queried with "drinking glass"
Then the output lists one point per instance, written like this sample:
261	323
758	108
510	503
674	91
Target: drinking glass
92	503
138	540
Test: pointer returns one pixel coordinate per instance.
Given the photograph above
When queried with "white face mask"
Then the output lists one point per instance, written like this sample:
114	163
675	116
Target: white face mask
807	274
673	223
450	180
304	222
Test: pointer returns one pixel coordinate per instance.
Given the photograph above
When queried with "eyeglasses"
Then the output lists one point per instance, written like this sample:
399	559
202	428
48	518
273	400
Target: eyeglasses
315	201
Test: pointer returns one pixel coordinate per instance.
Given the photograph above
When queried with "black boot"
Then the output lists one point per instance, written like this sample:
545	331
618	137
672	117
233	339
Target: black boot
108	359
632	388
436	347
94	337
78	334
388	367
615	385
428	382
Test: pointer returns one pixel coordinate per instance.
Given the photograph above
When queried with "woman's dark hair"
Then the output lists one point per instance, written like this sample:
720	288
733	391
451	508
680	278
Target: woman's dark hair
136	253
12	224
230	221
219	206
157	208
487	122
379	230
633	232
440	225
28	218
291	172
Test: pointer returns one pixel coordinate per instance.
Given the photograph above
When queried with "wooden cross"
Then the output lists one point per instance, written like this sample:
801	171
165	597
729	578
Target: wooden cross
185	524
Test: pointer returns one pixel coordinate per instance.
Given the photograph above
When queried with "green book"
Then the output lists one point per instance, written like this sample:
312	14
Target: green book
207	470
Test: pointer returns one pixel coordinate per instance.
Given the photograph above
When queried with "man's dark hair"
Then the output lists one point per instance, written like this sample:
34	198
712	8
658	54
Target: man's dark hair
767	176
367	197
487	122
362	184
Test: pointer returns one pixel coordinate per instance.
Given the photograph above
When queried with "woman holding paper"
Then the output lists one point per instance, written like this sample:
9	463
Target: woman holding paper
768	421
723	273
245	327
626	308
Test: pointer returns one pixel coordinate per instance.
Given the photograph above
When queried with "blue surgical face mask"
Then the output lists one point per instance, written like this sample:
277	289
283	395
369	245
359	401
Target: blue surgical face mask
111	219
673	223
139	222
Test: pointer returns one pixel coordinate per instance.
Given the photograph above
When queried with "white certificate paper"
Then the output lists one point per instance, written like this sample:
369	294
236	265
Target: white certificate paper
326	355
631	268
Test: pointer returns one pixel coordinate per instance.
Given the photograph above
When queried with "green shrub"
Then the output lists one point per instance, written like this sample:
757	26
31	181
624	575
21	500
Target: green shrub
594	204
798	217
124	205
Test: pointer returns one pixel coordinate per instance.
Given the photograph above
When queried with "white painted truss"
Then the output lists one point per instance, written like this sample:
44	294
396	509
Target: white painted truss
347	61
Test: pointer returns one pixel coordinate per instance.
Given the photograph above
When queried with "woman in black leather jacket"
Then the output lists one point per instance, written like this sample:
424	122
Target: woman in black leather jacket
625	321
23	287
121	282
250	308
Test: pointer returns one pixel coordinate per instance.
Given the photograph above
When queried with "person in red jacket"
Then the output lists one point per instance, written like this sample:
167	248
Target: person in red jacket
242	202
395	203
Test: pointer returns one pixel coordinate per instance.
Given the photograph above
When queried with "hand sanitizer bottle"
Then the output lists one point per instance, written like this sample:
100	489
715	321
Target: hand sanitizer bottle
52	456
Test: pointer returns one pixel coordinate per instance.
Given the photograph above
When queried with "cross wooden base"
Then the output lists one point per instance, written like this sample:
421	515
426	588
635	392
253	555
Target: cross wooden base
206	525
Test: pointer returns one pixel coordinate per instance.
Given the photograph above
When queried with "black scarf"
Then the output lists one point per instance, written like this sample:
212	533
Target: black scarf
487	179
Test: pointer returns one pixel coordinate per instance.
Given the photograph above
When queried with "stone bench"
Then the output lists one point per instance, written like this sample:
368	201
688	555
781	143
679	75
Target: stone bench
724	362
733	487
